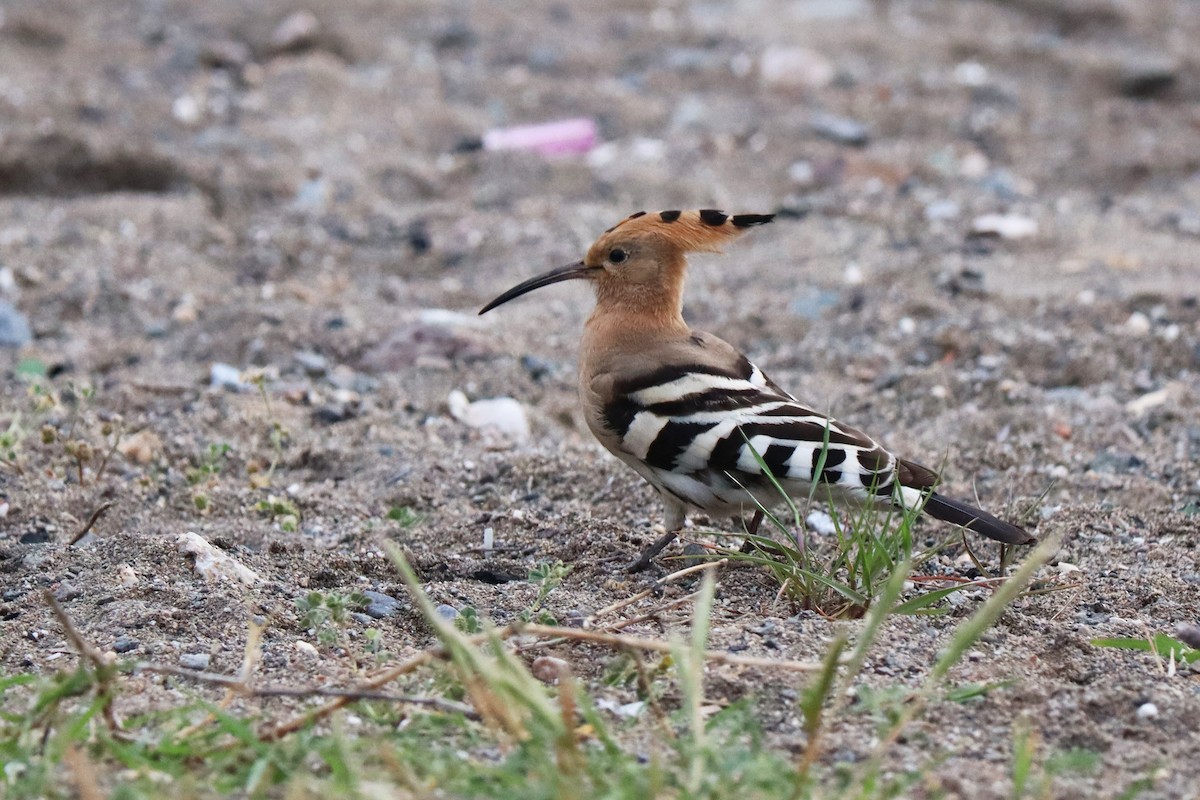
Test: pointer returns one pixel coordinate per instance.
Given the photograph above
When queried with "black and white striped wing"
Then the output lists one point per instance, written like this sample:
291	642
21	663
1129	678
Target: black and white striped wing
694	426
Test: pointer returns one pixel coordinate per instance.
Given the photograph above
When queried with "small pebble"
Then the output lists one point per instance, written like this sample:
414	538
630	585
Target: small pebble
297	31
1188	634
125	645
305	648
695	554
1147	711
315	364
197	661
67	591
842	130
226	376
797	67
502	415
14	327
446	612
381	605
821	522
1006	226
1138	324
126	576
548	669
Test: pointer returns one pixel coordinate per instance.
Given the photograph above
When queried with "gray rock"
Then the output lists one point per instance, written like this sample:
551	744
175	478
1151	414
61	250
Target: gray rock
196	661
842	130
1146	76
314	364
14	327
67	591
446	612
382	605
124	644
297	31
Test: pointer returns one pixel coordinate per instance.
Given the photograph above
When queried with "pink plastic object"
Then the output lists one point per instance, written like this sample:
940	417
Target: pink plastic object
563	138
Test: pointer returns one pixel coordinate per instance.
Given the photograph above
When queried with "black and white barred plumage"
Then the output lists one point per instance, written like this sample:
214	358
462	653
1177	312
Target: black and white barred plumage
692	430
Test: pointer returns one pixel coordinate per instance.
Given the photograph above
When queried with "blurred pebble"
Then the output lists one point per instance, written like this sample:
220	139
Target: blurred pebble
226	376
1147	711
827	9
1138	324
942	209
970	73
802	174
503	415
67	591
1145	75
196	661
795	67
1188	634
142	447
315	364
821	522
381	605
225	54
297	31
1006	226
842	130
549	669
126	576
305	648
447	612
187	109
124	644
813	302
14	327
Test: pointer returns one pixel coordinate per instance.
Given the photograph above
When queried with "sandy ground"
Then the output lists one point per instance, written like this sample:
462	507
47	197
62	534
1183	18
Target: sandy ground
183	185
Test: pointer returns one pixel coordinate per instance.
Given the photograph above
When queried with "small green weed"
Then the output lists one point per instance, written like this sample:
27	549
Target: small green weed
326	613
280	510
404	516
1161	645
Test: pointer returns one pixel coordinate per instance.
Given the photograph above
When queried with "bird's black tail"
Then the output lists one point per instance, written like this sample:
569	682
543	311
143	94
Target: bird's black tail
957	512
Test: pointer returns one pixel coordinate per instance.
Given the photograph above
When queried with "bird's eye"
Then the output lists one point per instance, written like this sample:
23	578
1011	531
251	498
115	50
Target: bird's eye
617	255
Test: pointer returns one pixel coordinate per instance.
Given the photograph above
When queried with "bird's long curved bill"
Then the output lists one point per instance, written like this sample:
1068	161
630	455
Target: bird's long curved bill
567	273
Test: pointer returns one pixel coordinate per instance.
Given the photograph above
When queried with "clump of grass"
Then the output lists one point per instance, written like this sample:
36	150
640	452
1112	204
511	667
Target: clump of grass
842	576
282	511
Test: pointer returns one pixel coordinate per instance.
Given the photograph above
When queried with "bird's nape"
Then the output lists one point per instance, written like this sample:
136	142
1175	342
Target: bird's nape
569	272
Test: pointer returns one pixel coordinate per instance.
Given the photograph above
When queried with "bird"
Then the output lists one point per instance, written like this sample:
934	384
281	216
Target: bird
695	417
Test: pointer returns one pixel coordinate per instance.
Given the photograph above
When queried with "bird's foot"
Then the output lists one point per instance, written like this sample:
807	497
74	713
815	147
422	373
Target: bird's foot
651	552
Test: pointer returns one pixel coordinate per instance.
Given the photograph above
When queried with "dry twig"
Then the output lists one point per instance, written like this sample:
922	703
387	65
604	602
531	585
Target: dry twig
105	669
87	526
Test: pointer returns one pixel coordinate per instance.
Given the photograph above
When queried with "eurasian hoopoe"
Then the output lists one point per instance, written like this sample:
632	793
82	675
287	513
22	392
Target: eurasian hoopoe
688	412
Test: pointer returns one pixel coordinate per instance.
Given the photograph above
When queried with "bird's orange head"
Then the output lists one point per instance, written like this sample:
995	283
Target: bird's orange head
637	266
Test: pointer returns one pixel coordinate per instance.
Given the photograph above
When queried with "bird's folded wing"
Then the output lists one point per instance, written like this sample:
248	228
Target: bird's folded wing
691	418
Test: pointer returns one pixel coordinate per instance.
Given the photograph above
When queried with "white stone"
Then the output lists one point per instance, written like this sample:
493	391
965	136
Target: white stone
212	563
1138	324
226	376
502	415
821	522
970	73
795	67
126	576
1006	226
1147	711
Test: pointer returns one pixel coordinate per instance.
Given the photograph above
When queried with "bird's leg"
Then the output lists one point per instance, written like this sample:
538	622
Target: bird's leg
674	524
752	529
